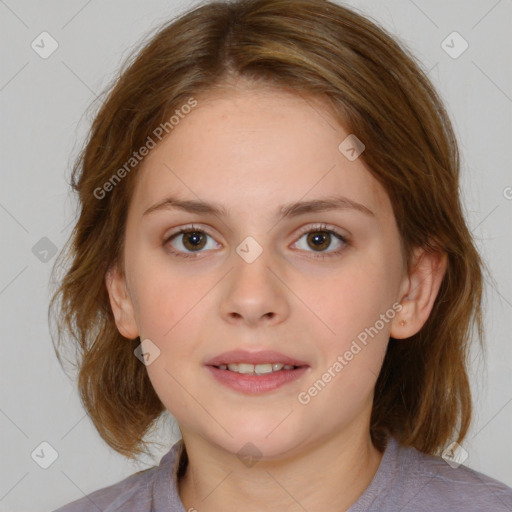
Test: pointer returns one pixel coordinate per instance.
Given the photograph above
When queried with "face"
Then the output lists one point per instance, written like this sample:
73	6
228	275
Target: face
307	284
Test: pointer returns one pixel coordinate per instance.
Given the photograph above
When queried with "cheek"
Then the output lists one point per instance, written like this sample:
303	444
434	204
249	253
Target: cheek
354	298
163	294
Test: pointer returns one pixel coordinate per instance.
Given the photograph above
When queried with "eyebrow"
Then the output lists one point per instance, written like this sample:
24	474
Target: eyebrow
334	202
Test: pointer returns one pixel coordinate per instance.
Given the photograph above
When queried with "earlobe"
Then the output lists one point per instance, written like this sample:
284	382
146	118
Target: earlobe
421	288
121	303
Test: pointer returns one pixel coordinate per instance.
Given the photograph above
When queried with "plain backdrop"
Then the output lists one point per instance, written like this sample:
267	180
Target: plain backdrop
43	105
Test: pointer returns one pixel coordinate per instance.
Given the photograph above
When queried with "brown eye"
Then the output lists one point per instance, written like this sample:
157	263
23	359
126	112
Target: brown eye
320	238
189	242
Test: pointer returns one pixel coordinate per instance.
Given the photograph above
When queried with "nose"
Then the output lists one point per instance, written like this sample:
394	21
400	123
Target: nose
254	293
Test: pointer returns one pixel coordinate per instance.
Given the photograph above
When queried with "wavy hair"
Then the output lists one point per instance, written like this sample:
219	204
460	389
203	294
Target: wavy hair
377	90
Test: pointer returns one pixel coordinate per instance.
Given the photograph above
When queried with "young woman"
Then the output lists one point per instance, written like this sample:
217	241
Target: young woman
271	247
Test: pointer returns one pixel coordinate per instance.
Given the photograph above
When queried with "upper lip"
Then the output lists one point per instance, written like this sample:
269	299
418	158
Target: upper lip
260	357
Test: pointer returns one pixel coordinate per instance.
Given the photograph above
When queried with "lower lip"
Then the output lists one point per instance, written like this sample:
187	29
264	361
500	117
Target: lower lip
256	384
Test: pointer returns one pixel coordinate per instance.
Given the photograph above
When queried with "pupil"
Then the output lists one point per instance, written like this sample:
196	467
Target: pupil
322	237
193	238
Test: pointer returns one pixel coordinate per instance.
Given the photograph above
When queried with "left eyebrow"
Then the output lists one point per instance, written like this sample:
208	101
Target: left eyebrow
335	202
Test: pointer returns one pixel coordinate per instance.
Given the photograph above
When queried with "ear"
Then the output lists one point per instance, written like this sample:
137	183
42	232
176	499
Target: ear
418	292
121	303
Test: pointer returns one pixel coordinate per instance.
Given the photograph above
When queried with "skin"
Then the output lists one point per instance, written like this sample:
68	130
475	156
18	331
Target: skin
253	150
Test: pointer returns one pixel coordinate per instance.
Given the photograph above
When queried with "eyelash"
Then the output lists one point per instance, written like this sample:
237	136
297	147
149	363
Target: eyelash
310	229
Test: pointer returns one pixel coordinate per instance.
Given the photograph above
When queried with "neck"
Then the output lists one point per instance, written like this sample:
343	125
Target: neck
215	479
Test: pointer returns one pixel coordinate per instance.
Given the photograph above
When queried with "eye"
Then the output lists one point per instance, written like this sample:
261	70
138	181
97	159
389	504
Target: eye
321	237
188	239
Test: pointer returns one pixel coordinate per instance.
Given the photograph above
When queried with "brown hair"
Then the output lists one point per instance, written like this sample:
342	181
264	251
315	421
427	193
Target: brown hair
378	92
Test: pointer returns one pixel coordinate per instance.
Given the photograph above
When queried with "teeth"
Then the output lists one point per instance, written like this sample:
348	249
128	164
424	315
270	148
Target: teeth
258	369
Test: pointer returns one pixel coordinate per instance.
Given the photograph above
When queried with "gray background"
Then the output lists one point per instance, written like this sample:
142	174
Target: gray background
43	104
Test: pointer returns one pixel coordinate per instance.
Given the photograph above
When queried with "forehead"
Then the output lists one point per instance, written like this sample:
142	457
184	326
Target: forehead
247	148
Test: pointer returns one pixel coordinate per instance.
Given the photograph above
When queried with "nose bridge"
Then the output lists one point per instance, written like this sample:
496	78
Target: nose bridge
251	265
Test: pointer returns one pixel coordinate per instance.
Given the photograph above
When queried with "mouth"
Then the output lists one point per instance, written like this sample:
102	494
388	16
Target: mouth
255	372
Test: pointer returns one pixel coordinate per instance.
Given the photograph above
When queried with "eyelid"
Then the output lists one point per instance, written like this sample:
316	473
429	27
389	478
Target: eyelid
185	229
321	226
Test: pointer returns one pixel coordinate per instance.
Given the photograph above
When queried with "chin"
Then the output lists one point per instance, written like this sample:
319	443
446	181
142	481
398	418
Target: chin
260	443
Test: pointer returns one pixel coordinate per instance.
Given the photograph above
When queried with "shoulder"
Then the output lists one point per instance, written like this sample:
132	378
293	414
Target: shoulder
425	482
151	489
132	493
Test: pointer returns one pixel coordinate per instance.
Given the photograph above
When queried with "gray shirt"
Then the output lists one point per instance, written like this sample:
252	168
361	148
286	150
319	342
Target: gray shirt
407	481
